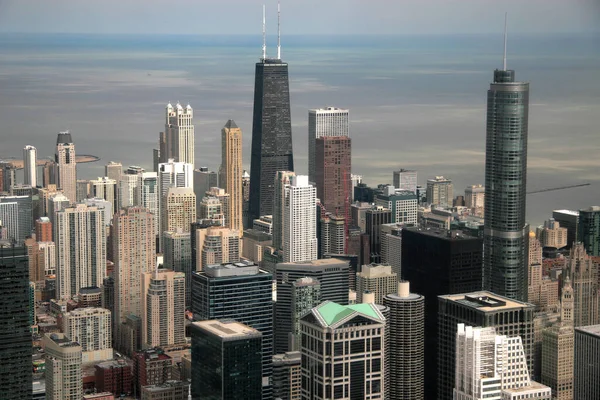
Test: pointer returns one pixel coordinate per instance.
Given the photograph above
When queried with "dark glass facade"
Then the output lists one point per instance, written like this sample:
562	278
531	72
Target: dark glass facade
438	262
506	235
15	335
271	134
588	230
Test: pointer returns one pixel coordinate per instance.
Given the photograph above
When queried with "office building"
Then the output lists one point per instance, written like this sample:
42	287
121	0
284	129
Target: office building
282	180
203	181
333	166
402	203
584	278
482	309
252	305
113	170
146	195
179	210
440	192
271	132
15	347
506	232
91	328
43	230
21	227
324	122
246	199
30	166
231	172
134	253
9	220
374	218
163	308
378	280
355	337
405	325
586	385
66	166
226	361
489	365
294	299
114	377
287	376
151	367
300	221
38	254
588	230
254	243
79	234
568	219
391	247
179	134
7	176
332	237
475	196
105	188
552	235
405	180
63	368
331	273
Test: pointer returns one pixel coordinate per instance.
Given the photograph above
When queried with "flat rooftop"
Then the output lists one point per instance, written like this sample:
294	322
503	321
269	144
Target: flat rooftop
325	262
486	301
591	329
227	328
534	387
441	233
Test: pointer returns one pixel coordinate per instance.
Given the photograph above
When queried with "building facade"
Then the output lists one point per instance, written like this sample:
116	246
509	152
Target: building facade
179	132
30	166
588	230
300	221
587	368
324	122
91	328
440	192
63	368
66	166
379	280
405	179
231	172
333	170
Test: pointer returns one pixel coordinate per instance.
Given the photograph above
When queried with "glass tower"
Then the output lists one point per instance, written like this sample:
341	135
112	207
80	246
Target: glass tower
506	233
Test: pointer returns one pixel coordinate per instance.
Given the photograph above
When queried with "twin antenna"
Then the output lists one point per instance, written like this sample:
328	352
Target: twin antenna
264	32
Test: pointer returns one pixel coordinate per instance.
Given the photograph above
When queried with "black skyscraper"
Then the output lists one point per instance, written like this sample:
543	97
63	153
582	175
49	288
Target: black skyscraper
271	132
15	342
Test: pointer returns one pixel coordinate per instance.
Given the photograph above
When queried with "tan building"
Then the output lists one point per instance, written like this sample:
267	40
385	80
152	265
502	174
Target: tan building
475	196
91	328
584	278
440	192
180	209
104	188
552	235
231	172
66	166
45	195
225	199
216	245
134	253
163	310
63	368
542	291
254	243
377	279
210	207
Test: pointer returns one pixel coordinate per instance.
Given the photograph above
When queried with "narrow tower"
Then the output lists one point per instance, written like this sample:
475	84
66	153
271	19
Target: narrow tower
30	166
506	233
231	172
66	172
271	131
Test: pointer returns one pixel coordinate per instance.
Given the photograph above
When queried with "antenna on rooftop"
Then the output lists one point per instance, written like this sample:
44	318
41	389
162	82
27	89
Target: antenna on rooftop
505	33
278	31
264	46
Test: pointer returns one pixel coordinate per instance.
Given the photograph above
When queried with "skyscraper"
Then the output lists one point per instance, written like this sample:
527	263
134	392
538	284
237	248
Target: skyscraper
374	218
15	346
324	122
405	179
63	367
177	256
376	279
583	272
231	172
80	236
30	166
300	221
91	328
113	170
287	376
171	174
333	166
568	219
271	131
179	210
506	232
146	195
332	235
179	131
66	166
588	231
105	188
282	180
403	204
203	181
440	191
587	367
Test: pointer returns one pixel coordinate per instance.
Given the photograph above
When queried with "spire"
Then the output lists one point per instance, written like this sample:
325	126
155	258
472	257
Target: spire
190	391
264	46
505	32
278	31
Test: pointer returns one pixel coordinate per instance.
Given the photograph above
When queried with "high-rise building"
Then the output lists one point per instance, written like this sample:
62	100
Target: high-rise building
105	188
587	368
331	273
489	365
271	132
246	199
163	308
355	338
79	234
113	170
224	200
15	346
172	174
475	196
203	181
63	368
177	256
282	180
405	179
7	177
483	309
568	219
584	279
300	221
134	253
231	172
22	227
552	235
506	231
42	259
440	191
333	166
127	185
91	328
43	230
287	376
332	237
324	122
588	231
179	210
214	245
252	305
9	220
406	343
391	247
211	208
30	166
374	218
66	166
177	390
542	291
146	195
226	360
403	204
376	279
179	133
294	299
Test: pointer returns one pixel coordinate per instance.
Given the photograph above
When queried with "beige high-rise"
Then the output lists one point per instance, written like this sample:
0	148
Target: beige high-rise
134	253
66	166
542	291
231	172
377	279
163	311
584	278
179	210
216	245
91	328
63	368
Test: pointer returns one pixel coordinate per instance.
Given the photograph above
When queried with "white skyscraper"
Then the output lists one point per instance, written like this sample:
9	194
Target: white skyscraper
179	129
490	366
79	234
30	166
330	121
172	174
300	221
146	194
405	179
128	183
66	166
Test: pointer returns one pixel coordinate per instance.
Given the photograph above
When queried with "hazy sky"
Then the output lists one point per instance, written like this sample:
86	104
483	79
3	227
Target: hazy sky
299	16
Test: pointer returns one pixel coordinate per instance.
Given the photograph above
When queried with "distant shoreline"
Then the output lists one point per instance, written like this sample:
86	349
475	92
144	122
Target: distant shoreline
80	159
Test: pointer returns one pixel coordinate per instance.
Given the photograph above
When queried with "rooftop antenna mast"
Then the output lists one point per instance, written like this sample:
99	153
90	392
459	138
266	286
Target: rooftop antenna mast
264	46
505	20
278	31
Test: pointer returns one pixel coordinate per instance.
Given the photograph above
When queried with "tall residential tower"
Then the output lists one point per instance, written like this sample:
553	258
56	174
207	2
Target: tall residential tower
66	172
231	172
324	122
